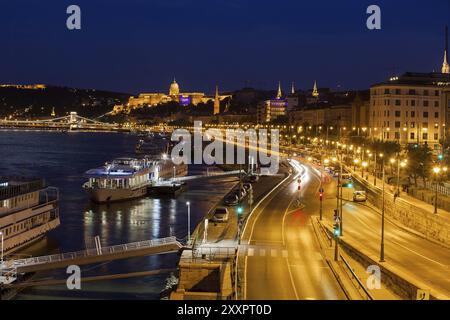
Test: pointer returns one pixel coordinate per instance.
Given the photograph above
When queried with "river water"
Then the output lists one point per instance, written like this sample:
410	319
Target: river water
62	158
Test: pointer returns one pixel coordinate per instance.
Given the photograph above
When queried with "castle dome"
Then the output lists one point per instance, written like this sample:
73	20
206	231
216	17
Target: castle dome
174	89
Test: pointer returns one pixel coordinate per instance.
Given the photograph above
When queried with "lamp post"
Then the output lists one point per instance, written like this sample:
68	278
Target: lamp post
174	172
382	211
437	171
189	222
341	227
326	161
355	162
375	169
363	166
1	257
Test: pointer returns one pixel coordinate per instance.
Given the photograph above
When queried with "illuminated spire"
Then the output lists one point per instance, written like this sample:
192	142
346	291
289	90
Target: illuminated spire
315	92
445	66
279	94
292	88
216	101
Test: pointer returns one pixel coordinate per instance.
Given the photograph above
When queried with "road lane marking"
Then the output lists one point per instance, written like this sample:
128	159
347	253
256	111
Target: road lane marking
253	226
292	280
393	241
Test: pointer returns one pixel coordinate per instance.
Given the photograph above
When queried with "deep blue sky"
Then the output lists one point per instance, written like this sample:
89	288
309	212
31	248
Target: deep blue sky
139	45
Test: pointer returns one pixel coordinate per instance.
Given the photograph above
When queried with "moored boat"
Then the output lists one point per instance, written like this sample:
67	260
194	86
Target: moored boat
28	210
122	179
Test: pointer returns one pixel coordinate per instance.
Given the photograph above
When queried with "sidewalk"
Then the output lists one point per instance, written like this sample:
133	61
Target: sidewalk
410	213
389	191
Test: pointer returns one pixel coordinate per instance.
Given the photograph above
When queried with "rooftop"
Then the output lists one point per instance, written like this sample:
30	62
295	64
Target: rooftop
419	78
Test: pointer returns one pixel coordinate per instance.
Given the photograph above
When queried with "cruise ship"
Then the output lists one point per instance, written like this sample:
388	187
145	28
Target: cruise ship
28	210
128	178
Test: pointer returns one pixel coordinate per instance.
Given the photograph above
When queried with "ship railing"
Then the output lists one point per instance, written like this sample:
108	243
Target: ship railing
96	251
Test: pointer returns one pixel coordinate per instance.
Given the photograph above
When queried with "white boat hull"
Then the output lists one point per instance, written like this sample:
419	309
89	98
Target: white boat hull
104	195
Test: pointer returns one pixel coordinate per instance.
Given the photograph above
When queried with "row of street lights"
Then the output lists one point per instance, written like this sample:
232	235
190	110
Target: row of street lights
364	164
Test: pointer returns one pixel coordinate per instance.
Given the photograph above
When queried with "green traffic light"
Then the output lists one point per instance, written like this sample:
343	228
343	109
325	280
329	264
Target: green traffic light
240	210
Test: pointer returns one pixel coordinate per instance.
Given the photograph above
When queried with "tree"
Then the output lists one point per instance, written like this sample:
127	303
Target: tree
387	148
419	162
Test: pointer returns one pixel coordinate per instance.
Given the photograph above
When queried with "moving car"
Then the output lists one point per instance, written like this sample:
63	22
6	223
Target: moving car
231	200
220	214
359	196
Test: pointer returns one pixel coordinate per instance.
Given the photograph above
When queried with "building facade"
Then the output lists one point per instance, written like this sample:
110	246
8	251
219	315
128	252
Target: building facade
272	109
412	108
339	116
184	98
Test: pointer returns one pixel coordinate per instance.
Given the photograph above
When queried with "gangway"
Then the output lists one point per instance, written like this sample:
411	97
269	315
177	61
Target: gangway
116	252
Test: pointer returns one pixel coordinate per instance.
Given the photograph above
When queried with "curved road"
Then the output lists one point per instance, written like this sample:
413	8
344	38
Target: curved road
282	258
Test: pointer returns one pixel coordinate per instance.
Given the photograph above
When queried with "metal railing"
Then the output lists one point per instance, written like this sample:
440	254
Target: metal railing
94	252
347	265
442	187
354	276
211	254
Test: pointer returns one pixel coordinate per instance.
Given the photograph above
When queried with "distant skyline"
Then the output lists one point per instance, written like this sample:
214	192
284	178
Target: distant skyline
136	46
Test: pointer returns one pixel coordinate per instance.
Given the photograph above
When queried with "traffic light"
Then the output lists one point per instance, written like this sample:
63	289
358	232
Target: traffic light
440	156
347	185
336	229
336	225
239	210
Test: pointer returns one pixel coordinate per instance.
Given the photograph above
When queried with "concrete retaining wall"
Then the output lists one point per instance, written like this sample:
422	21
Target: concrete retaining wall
393	278
431	226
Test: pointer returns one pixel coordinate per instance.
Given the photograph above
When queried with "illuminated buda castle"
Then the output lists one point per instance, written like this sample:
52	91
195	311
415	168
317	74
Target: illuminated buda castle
184	98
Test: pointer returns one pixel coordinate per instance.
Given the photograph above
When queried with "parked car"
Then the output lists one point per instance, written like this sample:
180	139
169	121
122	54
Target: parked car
242	191
220	214
359	196
247	186
252	178
231	200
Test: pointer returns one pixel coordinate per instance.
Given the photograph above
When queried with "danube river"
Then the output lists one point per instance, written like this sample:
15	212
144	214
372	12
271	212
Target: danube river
62	158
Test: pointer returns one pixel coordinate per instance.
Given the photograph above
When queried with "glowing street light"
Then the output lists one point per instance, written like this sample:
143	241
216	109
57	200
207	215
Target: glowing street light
364	164
355	162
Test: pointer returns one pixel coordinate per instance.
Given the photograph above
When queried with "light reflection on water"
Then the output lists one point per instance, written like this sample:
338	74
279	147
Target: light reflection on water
62	159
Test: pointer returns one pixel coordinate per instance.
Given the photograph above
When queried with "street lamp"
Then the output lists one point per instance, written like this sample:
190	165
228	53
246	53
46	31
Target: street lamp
363	166
355	162
189	222
382	211
437	171
1	257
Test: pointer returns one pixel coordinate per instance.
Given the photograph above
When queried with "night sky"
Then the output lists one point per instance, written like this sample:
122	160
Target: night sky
133	46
